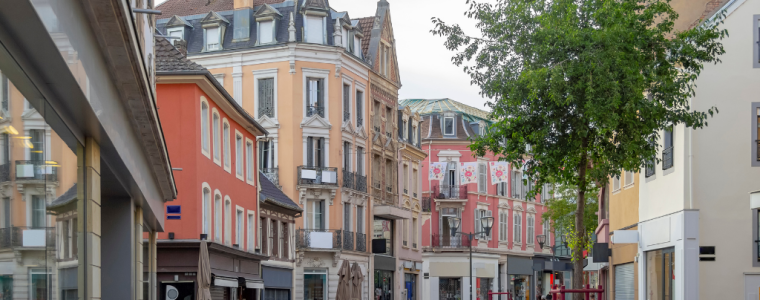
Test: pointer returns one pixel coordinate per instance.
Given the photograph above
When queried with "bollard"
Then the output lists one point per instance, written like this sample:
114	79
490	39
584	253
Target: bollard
587	296
599	294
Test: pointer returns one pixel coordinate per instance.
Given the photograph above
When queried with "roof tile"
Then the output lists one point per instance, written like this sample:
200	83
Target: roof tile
194	7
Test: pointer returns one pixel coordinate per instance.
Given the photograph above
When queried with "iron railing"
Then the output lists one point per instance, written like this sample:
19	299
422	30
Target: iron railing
361	242
447	241
649	168
354	181
273	174
348	179
317	176
16	236
450	191
5	172
36	170
315	110
346	116
327	239
426	204
414	195
361	183
667	158
359	121
348	240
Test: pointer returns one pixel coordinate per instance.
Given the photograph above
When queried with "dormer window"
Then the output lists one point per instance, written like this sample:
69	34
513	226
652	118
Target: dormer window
406	132
448	125
357	48
213	39
176	27
315	29
266	32
213	31
266	22
177	32
346	34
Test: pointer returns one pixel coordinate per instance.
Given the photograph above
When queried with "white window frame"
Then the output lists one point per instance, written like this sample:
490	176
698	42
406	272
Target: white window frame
358	46
226	129
351	98
629	176
218	216
530	230
206	41
264	74
517	227
414	134
240	226
453	126
405	129
227	221
482	178
325	282
547	231
251	231
179	29
205	136
307	29
216	143
250	168
208	203
360	88
503	226
259	35
615	183
317	74
239	156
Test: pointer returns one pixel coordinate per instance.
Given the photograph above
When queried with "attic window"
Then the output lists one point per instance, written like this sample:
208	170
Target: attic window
346	34
177	32
448	126
357	46
266	32
213	40
315	29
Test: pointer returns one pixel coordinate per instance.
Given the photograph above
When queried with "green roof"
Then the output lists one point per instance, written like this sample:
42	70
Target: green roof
434	106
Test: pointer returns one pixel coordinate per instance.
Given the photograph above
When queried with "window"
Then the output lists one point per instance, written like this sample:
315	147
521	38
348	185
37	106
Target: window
315	284
616	183
359	108
667	151
503	226
383	229
415	177
517	227
213	39
204	127
347	156
480	214
38	211
266	32
226	139
346	103
262	240
251	228
206	211
315	97
405	232
284	245
660	280
177	32
518	187
530	229
276	294
360	219
38	284
266	97
266	151
482	179
5	148
359	160
347	217
240	229
5	92
228	222
414	135
273	229
386	60
36	153
501	189
547	193
314	154
628	178
406	179
249	169
7	213
315	215
448	126
218	217
239	155
756	42
546	230
315	29
405	132
357	46
414	233
217	135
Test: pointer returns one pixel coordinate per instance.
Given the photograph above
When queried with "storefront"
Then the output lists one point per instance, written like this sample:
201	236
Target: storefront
450	288
411	279
278	283
383	285
520	277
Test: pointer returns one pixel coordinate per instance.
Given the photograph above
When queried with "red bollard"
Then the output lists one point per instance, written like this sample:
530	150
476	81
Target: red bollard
588	297
561	292
599	294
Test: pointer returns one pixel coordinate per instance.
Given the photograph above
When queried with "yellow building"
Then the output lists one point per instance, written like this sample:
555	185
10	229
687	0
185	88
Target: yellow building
619	210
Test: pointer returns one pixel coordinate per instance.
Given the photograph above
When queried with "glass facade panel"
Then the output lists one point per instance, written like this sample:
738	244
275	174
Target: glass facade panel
315	285
383	229
383	285
660	280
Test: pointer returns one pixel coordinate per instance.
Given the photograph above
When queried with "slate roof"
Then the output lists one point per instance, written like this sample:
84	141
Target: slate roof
271	193
70	196
432	111
193	7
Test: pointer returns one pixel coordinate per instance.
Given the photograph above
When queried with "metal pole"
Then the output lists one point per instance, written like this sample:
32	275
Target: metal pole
470	239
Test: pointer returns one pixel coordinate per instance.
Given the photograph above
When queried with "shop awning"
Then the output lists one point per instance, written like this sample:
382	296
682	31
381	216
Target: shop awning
225	281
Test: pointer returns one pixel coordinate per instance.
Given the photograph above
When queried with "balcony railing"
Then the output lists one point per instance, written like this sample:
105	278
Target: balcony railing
361	242
348	179
327	239
426	204
315	110
348	240
361	183
12	237
273	174
359	121
317	176
667	158
36	170
450	191
649	168
5	172
354	181
346	116
447	241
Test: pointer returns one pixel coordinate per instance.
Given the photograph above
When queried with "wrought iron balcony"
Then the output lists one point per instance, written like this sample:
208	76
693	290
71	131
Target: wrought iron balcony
31	237
354	181
426	204
359	121
667	158
315	110
361	183
447	241
361	242
346	116
649	169
348	240
317	176
5	172
348	179
450	191
36	170
318	239
273	174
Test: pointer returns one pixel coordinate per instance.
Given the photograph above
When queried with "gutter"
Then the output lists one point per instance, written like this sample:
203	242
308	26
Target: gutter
221	89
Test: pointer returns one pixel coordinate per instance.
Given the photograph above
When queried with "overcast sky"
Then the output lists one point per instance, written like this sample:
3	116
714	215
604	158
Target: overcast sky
425	65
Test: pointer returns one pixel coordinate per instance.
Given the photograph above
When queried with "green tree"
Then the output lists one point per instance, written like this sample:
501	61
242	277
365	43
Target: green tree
584	84
561	214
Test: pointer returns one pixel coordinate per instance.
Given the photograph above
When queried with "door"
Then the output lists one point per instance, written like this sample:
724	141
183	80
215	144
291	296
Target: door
751	287
450	289
624	282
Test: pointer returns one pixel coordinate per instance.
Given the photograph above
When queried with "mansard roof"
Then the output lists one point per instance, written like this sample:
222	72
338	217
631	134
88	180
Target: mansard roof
214	17
177	21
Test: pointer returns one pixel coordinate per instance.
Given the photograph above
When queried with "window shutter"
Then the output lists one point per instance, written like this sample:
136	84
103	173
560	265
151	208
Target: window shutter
400	125
477	222
419	136
410	128
310	151
482	184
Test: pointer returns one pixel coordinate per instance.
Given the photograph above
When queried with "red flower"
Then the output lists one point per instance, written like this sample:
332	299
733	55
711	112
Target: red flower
436	170
499	173
468	173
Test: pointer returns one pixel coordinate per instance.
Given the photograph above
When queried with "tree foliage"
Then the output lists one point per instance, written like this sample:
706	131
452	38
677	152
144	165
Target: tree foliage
561	214
587	85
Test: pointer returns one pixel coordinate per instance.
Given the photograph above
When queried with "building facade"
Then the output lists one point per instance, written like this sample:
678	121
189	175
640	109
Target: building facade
509	259
84	170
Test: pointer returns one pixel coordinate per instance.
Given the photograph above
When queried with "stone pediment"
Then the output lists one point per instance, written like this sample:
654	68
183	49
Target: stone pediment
268	122
315	121
518	207
360	132
177	21
267	10
31	114
315	4
347	127
504	205
531	210
213	17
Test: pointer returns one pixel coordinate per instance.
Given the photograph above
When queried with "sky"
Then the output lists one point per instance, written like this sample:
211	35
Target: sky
425	64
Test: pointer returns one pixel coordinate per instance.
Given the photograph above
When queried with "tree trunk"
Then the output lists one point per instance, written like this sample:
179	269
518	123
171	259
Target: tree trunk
580	229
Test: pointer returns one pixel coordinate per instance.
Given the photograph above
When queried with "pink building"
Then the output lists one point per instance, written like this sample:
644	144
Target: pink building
507	259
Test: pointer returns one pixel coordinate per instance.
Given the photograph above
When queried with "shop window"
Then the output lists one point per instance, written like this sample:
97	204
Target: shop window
660	280
383	230
520	286
384	285
450	288
276	294
315	284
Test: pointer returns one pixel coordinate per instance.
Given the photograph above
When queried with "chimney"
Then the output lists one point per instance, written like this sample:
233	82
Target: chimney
243	4
181	45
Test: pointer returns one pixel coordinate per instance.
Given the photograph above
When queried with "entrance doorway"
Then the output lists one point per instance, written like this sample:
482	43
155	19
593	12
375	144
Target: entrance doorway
410	282
383	285
450	288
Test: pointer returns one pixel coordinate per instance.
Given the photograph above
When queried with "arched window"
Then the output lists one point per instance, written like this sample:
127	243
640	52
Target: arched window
217	135
204	127
226	140
206	211
217	217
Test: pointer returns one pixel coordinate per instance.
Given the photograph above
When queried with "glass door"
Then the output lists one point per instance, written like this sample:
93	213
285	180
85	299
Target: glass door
410	282
450	289
383	285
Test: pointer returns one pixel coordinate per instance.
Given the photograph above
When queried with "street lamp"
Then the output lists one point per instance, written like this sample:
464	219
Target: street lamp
485	222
